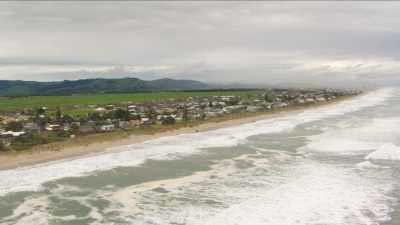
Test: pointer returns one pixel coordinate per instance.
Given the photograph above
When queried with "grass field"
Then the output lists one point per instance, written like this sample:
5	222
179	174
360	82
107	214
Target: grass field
16	103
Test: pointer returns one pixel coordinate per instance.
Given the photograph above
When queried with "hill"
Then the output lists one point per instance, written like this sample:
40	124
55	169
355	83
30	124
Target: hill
94	86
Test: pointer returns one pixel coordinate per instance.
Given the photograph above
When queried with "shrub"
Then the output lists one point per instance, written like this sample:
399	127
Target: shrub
169	120
28	141
3	147
14	126
121	114
56	136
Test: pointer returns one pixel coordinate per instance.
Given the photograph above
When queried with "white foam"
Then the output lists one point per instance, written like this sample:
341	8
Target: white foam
388	151
368	165
339	145
31	178
326	196
27	215
349	140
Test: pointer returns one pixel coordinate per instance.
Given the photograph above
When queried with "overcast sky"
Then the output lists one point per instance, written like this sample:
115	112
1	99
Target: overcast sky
331	43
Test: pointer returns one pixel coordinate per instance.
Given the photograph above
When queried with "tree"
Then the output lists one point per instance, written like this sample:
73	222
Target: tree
168	120
40	111
75	128
152	114
40	118
95	116
67	119
203	116
3	147
269	97
121	114
185	114
14	126
58	115
42	122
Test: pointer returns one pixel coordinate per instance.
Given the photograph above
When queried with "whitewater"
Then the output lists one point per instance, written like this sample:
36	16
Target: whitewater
331	165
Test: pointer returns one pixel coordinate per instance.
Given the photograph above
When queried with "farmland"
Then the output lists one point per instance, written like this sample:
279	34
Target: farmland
8	104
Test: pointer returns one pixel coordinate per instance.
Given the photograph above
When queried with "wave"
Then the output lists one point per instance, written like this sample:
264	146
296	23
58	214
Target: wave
387	151
367	137
369	165
328	195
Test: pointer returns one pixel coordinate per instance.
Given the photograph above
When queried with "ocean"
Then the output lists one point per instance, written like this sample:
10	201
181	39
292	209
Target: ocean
333	165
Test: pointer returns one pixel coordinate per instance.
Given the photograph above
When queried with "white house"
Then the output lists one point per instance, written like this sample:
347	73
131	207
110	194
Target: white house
100	109
252	108
12	133
108	127
310	100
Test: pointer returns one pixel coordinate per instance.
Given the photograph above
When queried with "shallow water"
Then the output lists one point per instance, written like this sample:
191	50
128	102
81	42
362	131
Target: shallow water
335	165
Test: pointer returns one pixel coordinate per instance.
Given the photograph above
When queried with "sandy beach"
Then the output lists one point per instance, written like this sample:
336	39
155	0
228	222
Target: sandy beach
71	150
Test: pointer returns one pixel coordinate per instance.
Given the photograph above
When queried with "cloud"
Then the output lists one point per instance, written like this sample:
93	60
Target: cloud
252	42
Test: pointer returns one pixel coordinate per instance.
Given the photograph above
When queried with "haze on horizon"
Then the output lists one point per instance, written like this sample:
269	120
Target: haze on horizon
264	43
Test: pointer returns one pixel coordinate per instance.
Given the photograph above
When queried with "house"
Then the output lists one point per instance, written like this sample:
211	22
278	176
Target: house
309	100
100	109
31	127
252	108
54	127
280	105
320	99
300	101
132	109
160	117
71	126
135	122
6	137
107	127
146	121
110	107
66	126
221	104
197	116
234	109
213	113
6	134
123	124
267	105
87	128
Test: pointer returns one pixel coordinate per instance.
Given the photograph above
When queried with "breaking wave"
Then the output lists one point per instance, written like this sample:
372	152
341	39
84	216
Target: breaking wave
388	151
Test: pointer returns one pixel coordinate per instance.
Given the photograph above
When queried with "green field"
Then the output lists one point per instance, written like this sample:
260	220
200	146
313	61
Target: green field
17	103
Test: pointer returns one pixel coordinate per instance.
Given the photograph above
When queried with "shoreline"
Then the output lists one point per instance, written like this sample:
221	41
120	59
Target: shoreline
90	146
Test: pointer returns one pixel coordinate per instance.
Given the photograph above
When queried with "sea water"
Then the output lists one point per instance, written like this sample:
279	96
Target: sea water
333	165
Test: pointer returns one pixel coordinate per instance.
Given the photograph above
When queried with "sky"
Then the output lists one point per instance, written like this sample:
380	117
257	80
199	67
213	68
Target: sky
256	43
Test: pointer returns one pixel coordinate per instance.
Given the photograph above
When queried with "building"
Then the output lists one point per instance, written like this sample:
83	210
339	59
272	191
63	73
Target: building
254	108
107	127
12	134
54	127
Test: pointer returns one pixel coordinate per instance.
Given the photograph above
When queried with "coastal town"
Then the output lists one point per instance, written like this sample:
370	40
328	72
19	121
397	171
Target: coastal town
25	128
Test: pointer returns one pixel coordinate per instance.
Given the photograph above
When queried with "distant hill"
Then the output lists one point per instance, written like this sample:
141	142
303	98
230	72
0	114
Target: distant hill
68	87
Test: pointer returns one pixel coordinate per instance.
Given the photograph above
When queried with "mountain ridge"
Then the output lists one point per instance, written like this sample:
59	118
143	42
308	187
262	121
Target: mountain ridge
96	85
